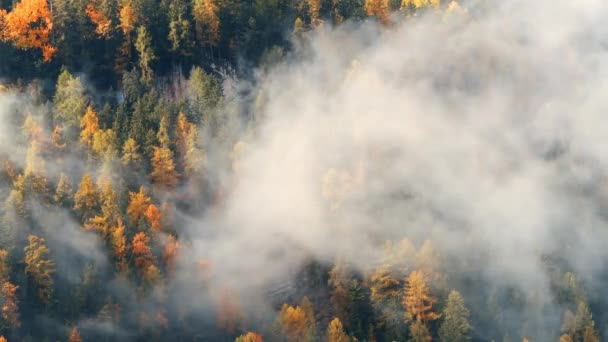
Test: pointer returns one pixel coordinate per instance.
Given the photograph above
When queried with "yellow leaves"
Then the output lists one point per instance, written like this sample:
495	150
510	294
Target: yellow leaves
10	305
207	21
127	18
249	337
335	332
103	25
417	301
39	266
130	153
294	322
163	168
28	26
138	204
314	7
85	199
119	246
89	125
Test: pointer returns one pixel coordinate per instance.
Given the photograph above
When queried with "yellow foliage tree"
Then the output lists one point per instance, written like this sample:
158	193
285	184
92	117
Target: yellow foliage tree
10	305
39	266
378	9
207	21
103	24
89	125
335	332
249	337
417	301
86	198
138	204
163	168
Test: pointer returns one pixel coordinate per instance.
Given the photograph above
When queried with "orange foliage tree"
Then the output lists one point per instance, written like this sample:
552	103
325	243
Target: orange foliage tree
417	301
89	125
153	217
142	252
249	337
163	168
10	305
39	266
103	25
207	21
74	335
29	26
119	245
379	9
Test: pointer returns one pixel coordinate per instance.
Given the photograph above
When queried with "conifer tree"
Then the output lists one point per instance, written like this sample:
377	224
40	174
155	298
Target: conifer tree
455	326
40	267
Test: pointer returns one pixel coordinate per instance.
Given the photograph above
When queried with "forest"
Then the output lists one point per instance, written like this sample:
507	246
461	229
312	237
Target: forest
303	170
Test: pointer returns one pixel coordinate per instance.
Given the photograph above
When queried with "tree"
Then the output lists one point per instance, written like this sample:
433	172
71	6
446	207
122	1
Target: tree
249	337
455	326
29	26
339	279
335	332
419	332
130	153
10	305
140	247
74	335
170	253
207	21
143	45
417	301
103	24
64	191
39	266
70	100
153	217
314	7
579	327
138	204
293	322
378	9
180	28
163	168
105	144
89	125
119	246
163	132
86	198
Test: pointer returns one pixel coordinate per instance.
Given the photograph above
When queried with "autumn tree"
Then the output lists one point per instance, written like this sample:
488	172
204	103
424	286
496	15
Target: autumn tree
153	217
39	266
103	24
378	9
86	198
140	247
314	7
138	204
294	323
579	327
163	168
89	125
130	153
119	246
249	337
418	304
74	335
29	26
105	144
335	332
207	21
191	156
455	326
10	305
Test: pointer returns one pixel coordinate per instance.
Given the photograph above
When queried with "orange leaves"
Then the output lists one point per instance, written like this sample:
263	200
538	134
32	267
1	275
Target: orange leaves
119	245
10	306
138	204
74	336
86	198
207	21
153	217
142	251
379	9
249	337
103	25
28	26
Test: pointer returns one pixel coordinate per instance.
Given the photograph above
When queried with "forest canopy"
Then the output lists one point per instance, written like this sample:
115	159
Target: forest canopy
303	170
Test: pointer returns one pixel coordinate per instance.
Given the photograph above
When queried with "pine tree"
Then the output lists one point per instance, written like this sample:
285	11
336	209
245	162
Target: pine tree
417	301
455	326
70	100
64	192
143	45
138	204
207	21
130	153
